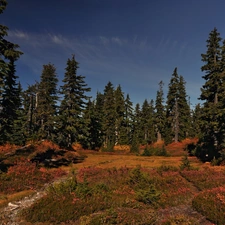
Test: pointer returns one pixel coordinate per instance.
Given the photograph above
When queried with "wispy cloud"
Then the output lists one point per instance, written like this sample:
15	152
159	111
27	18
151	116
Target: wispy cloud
18	34
125	61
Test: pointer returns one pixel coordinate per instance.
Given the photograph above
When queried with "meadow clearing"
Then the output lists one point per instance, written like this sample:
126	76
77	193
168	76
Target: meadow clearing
118	188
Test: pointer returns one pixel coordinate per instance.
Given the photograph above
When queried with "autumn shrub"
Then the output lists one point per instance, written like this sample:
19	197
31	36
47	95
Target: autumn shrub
206	178
164	168
173	188
87	194
211	203
24	175
180	219
69	200
7	148
77	146
125	216
124	148
45	145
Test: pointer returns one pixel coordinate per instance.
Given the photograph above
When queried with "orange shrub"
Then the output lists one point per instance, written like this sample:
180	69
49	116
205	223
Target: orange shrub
122	148
7	148
177	149
158	144
45	145
77	147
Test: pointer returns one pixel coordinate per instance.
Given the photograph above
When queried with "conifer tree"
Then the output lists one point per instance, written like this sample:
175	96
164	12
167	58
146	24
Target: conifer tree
184	111
177	110
93	118
9	101
160	113
196	121
47	100
172	112
30	104
128	120
109	120
71	125
99	117
19	137
212	93
147	122
120	116
136	129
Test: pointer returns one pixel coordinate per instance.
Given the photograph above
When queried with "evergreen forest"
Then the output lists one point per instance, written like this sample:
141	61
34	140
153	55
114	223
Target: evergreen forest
66	114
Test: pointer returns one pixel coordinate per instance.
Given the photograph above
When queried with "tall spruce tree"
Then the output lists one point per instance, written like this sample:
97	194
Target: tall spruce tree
94	116
177	110
212	93
160	113
172	112
9	101
71	124
99	117
128	120
136	137
109	120
184	111
147	122
19	137
120	116
47	102
196	121
30	104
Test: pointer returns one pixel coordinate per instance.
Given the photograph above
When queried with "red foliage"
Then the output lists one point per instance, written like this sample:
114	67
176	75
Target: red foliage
24	175
7	148
177	149
45	145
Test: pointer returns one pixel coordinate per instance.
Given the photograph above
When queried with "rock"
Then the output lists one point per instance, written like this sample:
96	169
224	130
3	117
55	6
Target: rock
12	206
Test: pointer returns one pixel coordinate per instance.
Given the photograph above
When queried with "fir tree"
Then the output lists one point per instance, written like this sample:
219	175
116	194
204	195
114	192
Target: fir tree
177	110
109	120
184	111
30	104
9	101
47	100
147	122
92	117
19	137
212	93
128	120
196	121
99	117
136	134
172	112
136	130
71	125
160	113
120	116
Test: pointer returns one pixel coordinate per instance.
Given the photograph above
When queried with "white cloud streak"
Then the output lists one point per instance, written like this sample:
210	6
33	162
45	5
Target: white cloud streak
122	60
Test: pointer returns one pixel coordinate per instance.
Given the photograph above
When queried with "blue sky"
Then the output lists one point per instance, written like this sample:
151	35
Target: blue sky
134	43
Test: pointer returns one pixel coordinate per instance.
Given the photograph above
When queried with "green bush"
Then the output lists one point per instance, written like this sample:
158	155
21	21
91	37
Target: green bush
151	151
149	195
185	164
143	186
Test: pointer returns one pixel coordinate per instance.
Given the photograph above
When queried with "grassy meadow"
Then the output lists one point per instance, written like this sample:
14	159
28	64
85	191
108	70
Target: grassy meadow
118	188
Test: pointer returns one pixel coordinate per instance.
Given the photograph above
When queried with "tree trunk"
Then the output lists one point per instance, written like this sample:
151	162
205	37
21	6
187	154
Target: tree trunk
159	136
